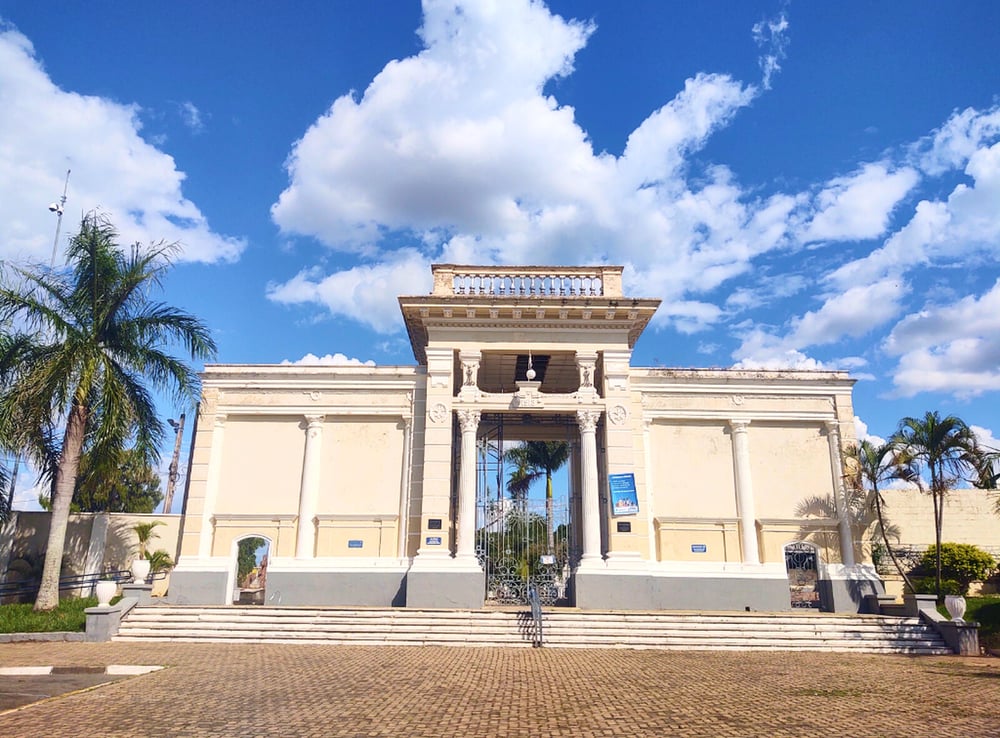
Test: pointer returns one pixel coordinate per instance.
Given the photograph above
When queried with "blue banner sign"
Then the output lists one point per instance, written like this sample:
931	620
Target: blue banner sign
354	543
433	540
699	548
624	499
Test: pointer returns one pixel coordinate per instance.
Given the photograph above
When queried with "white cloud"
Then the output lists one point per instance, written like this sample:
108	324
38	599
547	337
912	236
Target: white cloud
458	149
951	146
360	293
858	206
771	36
337	359
951	348
191	116
985	437
45	131
853	313
862	434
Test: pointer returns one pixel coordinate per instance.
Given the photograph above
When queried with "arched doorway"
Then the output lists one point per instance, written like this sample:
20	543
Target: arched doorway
802	565
250	570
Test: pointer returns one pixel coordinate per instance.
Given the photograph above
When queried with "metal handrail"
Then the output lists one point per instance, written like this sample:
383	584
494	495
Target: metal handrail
536	616
78	581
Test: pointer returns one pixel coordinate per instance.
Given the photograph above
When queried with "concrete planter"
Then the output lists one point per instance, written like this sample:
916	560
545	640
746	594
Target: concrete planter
140	570
105	590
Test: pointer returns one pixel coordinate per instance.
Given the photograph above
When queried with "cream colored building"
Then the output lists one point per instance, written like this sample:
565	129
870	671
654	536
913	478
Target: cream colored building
372	485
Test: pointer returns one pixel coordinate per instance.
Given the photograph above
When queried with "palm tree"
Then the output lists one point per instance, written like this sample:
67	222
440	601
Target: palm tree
946	448
90	347
533	460
869	466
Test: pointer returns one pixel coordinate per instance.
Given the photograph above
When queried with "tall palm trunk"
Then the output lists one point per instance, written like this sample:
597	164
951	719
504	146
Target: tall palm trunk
549	515
885	540
938	496
62	488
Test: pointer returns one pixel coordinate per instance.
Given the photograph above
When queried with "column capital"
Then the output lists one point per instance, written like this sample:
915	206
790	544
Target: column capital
220	420
832	426
739	425
587	420
468	420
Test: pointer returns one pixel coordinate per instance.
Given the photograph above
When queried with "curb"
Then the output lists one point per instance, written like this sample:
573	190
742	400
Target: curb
57	636
112	670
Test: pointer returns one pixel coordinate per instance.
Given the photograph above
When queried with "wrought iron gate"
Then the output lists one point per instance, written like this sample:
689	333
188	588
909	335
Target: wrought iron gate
512	534
803	576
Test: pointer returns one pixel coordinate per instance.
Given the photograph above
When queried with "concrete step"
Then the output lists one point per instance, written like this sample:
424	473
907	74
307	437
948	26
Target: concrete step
562	628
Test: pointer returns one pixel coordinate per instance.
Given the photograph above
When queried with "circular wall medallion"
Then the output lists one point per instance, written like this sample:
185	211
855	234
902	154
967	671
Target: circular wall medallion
618	414
438	413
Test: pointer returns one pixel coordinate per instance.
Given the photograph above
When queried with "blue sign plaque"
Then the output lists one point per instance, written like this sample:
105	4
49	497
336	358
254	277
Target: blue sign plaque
433	540
624	499
354	543
699	548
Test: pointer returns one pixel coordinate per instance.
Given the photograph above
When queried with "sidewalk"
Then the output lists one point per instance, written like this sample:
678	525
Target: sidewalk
274	690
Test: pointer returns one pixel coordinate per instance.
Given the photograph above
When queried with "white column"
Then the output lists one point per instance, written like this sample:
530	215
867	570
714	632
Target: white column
309	489
744	492
840	494
647	440
211	488
590	506
403	525
468	420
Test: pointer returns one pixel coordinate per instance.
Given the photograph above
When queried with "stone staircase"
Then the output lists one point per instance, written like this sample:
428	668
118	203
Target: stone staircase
563	628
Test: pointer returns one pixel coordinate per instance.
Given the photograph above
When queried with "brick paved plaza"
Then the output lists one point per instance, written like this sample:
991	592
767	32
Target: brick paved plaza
273	690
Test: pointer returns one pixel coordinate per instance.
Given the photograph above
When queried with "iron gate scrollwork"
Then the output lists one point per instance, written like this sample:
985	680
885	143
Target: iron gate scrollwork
513	544
801	562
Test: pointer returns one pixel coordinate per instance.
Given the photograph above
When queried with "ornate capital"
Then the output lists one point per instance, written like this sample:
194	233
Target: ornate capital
468	420
314	424
739	425
220	421
587	420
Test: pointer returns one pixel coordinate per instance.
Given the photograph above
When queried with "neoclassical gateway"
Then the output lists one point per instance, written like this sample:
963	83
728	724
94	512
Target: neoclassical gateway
677	488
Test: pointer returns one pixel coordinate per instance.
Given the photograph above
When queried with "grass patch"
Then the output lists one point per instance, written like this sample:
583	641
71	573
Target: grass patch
68	617
986	612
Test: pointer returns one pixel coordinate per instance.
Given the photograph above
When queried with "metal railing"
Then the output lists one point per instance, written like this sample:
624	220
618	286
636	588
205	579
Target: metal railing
536	617
29	587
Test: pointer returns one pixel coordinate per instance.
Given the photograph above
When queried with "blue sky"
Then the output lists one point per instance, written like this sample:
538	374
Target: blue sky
804	185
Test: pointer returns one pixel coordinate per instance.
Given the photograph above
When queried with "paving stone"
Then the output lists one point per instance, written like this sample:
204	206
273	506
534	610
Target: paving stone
303	690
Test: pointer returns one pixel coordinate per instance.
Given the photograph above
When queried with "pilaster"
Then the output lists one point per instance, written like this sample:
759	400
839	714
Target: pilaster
744	491
305	539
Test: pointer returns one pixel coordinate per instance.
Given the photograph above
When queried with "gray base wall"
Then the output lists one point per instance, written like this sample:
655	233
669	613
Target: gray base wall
462	589
335	589
643	592
198	588
847	595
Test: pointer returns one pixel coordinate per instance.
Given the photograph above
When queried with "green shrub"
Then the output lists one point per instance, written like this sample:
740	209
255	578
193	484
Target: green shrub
961	562
927	586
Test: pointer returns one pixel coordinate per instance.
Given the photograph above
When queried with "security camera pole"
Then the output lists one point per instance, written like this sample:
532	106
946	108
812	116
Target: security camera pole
178	427
57	208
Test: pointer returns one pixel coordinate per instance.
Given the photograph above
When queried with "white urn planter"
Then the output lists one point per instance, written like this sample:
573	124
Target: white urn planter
105	589
140	570
955	605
